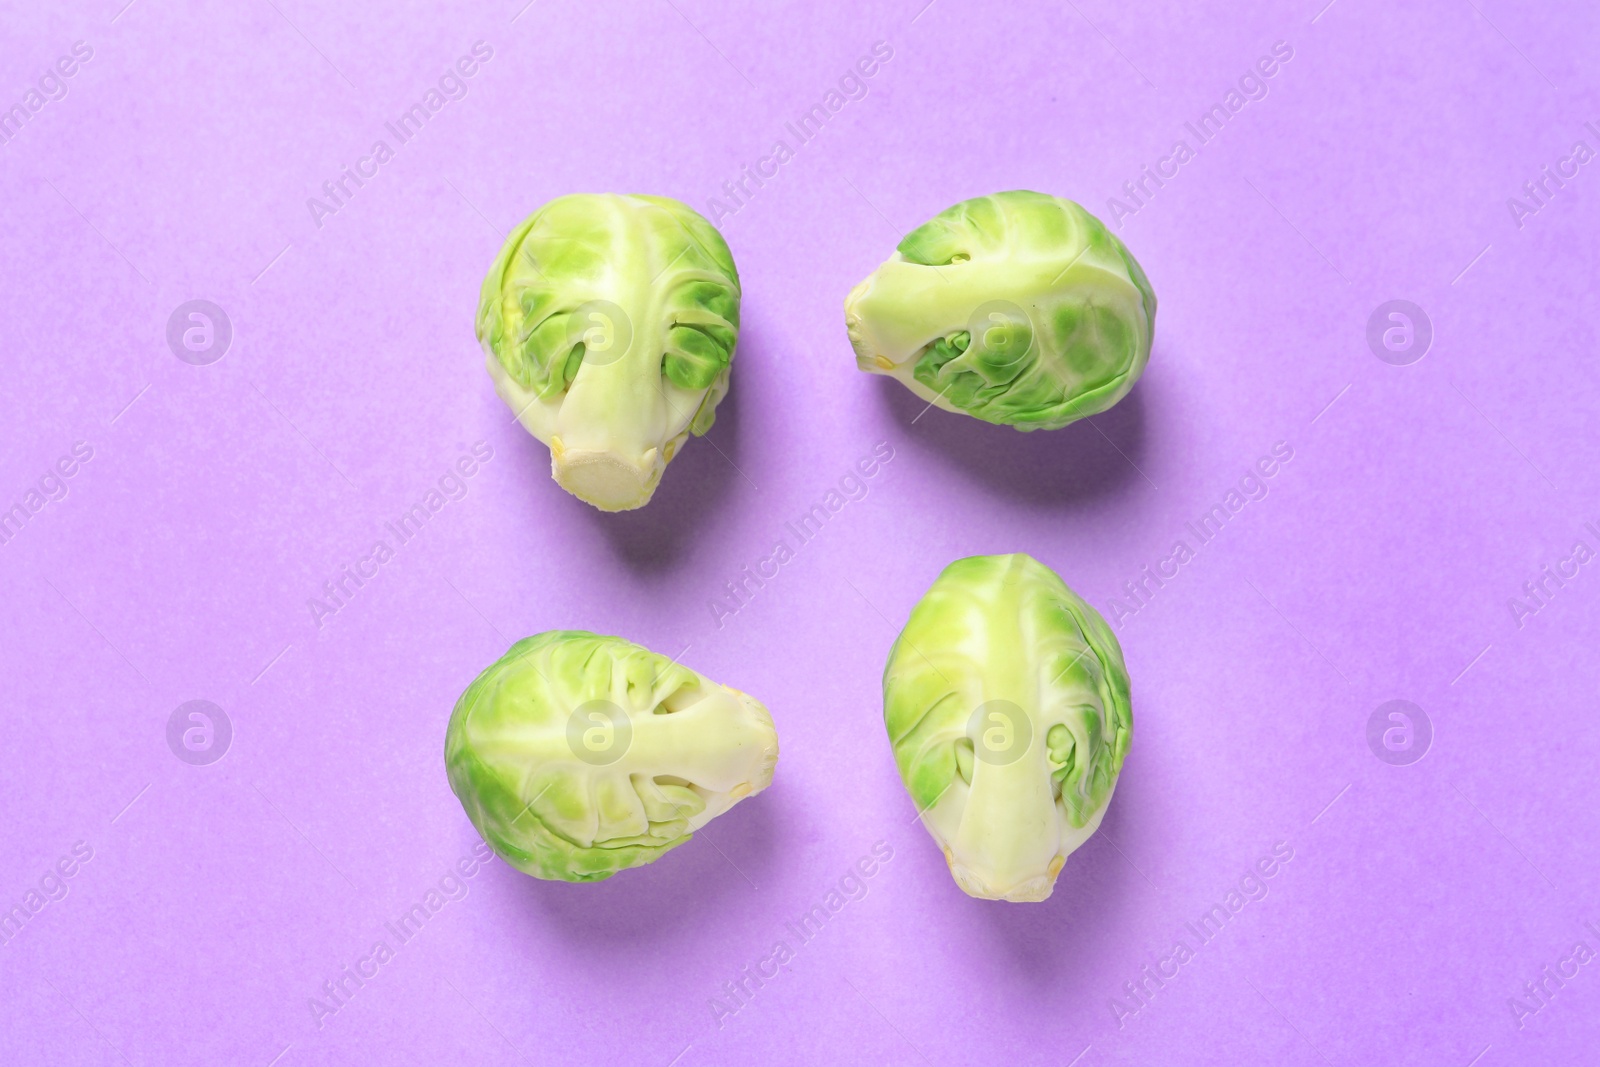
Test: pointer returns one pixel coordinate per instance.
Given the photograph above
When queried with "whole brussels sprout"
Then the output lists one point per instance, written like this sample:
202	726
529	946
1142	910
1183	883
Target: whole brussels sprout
1006	702
577	756
1017	308
609	324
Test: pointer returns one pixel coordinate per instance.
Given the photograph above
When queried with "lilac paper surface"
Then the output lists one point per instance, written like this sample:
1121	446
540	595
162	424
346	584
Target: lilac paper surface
1398	553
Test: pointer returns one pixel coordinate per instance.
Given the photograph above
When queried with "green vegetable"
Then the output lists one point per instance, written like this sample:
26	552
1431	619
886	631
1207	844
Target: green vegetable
609	323
577	756
1017	308
1006	701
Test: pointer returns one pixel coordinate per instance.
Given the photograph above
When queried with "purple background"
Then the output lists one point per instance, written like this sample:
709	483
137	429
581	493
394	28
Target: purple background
1381	565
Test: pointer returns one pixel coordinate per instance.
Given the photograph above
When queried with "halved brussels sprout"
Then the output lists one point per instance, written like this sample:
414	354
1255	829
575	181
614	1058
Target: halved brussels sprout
577	756
1006	702
609	324
1017	308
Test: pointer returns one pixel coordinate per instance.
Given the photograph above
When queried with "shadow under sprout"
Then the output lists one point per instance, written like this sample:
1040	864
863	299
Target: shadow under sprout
1093	457
676	895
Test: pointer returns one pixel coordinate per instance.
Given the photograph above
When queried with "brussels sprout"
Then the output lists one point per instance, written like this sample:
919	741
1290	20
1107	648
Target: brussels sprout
609	325
578	756
1006	702
1017	308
